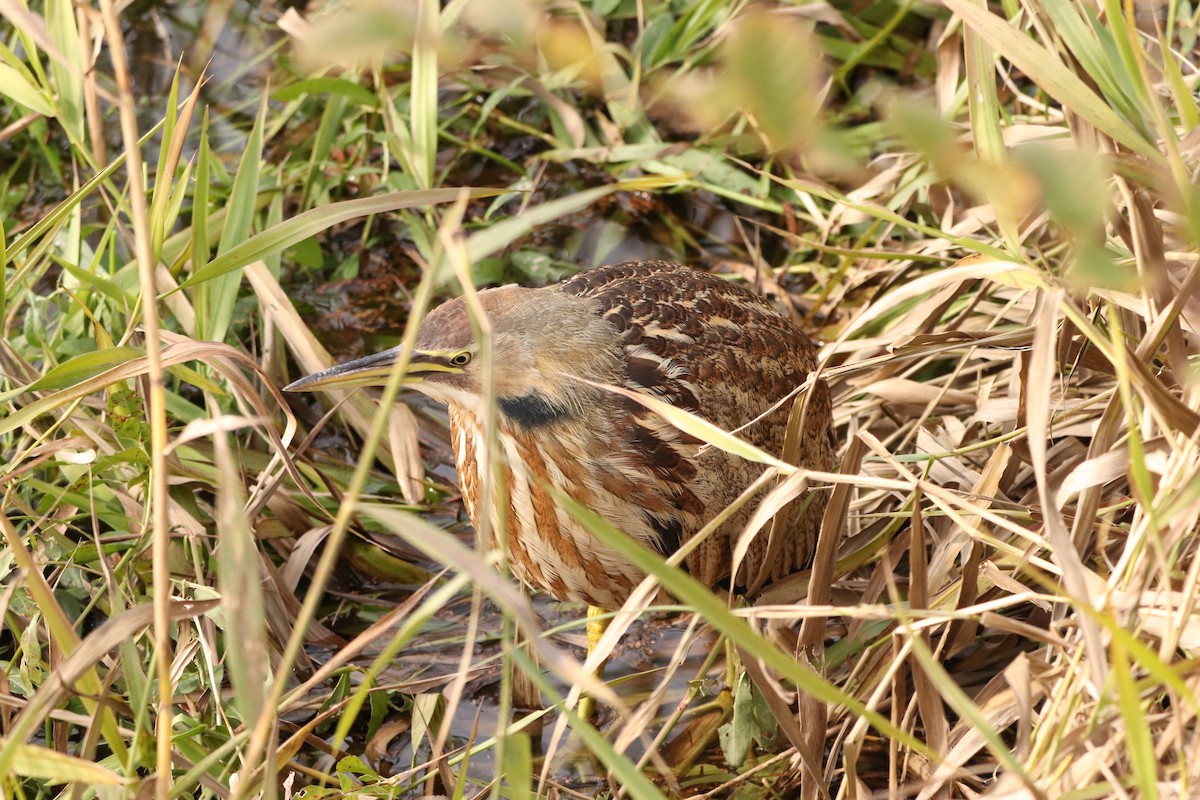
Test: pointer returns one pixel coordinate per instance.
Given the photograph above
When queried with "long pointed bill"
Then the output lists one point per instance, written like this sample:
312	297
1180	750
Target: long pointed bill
373	370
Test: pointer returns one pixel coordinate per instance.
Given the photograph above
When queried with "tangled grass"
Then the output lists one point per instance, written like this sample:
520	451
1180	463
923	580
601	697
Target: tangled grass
989	216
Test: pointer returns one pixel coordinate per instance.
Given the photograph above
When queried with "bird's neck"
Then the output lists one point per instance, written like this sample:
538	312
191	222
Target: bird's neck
534	410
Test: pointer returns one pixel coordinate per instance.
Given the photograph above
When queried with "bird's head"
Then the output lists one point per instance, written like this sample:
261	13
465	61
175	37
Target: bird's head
543	341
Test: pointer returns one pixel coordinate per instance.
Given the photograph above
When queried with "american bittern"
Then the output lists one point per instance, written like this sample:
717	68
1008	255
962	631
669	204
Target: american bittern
694	340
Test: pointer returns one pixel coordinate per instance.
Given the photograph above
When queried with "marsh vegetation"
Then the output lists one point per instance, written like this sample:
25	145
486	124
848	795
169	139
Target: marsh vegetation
988	215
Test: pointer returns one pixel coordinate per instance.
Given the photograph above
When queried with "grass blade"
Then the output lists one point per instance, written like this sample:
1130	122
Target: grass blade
67	71
215	298
302	226
1045	69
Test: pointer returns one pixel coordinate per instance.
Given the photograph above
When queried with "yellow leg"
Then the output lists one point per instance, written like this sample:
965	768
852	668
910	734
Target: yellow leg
597	624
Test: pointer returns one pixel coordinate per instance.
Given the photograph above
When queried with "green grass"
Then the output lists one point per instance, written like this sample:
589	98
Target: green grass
987	214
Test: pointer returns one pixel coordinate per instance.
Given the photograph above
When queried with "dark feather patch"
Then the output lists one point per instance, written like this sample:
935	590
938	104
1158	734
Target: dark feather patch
659	456
669	530
644	372
533	410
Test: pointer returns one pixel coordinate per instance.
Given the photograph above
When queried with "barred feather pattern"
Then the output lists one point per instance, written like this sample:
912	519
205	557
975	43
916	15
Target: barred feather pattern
684	336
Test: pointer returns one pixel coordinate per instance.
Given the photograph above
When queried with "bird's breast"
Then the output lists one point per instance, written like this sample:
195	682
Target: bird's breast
547	547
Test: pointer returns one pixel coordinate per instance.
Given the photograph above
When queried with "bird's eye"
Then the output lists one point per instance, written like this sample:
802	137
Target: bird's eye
460	359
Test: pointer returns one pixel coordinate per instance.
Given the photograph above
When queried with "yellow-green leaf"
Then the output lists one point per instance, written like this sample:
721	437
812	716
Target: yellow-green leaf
30	761
80	368
14	86
302	226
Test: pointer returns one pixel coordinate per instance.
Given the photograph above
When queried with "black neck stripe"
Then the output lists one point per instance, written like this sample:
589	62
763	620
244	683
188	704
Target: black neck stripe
533	410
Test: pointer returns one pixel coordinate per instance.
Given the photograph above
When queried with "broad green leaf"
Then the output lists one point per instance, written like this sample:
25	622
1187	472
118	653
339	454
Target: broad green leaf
30	761
738	734
14	86
424	89
427	711
215	301
68	76
1136	729
712	169
200	212
310	223
518	765
188	375
82	367
98	280
328	85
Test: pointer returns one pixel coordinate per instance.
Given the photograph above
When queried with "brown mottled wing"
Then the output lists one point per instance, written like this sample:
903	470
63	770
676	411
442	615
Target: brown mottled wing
690	336
718	350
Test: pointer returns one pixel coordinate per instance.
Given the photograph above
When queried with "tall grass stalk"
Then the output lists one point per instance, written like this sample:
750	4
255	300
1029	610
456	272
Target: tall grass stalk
986	213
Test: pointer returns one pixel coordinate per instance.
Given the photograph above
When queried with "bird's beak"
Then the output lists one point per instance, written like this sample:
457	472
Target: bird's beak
373	370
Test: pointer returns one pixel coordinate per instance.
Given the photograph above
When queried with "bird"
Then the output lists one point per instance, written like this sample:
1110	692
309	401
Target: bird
688	337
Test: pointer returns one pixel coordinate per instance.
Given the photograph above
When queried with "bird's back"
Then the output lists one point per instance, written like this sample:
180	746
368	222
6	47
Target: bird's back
702	342
721	351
